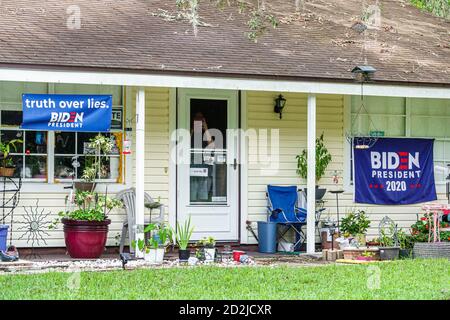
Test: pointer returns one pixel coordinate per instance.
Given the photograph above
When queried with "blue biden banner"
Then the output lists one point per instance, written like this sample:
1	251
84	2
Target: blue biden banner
395	171
60	112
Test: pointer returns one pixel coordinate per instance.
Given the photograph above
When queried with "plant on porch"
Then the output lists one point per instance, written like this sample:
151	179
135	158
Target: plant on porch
207	249
355	224
323	159
94	168
183	234
424	245
7	168
154	247
86	227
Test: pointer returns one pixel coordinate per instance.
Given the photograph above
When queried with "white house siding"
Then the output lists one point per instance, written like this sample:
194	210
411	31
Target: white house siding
156	143
330	120
156	173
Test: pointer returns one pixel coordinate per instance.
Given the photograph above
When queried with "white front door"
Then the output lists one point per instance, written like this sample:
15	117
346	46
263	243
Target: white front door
207	158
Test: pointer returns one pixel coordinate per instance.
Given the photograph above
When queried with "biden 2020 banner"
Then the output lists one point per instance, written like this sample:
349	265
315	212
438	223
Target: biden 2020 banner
395	171
61	112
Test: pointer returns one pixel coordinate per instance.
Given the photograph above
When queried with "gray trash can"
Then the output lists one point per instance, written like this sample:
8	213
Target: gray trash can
267	237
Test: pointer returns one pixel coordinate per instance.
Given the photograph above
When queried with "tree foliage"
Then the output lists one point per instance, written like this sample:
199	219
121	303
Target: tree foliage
440	8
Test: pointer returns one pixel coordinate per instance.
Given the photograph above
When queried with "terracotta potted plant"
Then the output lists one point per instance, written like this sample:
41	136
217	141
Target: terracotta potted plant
94	167
7	165
182	235
86	226
323	159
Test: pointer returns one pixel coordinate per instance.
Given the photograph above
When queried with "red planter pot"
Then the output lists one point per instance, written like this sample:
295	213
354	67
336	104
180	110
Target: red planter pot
85	239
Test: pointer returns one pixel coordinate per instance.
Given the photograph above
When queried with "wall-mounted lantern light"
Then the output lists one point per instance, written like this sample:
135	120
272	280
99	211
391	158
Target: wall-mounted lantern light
280	102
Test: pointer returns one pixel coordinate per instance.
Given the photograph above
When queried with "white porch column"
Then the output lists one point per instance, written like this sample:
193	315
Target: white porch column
139	166
311	179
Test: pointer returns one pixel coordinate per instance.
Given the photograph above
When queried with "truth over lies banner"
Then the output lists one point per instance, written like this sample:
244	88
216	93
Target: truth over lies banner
60	112
395	171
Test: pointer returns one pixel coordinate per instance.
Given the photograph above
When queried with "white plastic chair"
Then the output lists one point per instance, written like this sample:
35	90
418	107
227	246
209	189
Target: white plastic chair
128	197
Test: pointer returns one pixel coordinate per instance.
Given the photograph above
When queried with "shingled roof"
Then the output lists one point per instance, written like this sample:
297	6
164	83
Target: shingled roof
317	43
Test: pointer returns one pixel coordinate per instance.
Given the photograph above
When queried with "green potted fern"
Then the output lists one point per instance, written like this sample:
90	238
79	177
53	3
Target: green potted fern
323	159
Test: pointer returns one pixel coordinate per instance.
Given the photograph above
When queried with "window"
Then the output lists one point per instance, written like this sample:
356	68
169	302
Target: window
46	155
70	146
404	117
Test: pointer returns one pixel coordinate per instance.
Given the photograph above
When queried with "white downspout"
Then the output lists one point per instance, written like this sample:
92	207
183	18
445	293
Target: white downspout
139	166
311	179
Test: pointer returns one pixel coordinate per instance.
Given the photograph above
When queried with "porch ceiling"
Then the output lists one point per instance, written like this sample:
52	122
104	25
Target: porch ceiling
130	35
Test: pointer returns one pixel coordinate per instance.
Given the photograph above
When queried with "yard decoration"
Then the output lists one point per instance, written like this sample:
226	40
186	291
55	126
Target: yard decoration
34	226
389	248
323	159
182	235
86	226
7	165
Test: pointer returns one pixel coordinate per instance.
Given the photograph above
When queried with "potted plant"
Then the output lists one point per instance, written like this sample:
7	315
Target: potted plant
207	248
7	169
86	227
355	224
182	236
424	247
323	159
406	242
94	167
389	249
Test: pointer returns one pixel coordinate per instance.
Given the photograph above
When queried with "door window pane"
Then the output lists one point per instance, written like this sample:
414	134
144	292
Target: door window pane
208	168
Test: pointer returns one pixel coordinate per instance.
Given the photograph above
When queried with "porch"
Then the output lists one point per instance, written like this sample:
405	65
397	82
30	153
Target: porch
150	114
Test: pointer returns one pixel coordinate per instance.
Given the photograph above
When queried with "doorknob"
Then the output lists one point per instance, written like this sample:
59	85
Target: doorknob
235	164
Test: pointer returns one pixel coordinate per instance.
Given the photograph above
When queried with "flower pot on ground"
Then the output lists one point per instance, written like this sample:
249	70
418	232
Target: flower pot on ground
184	255
155	248
207	249
406	242
433	250
183	235
86	228
7	167
323	159
389	250
367	256
422	235
85	239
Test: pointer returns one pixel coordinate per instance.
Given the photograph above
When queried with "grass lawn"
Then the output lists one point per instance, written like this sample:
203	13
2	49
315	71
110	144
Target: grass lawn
407	279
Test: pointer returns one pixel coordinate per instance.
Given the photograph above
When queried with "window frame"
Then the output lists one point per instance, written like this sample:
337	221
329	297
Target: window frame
52	184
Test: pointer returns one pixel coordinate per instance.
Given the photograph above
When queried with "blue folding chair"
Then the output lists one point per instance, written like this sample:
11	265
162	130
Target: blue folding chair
283	208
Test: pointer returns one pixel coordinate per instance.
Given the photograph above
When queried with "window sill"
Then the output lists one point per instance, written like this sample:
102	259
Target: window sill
57	188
